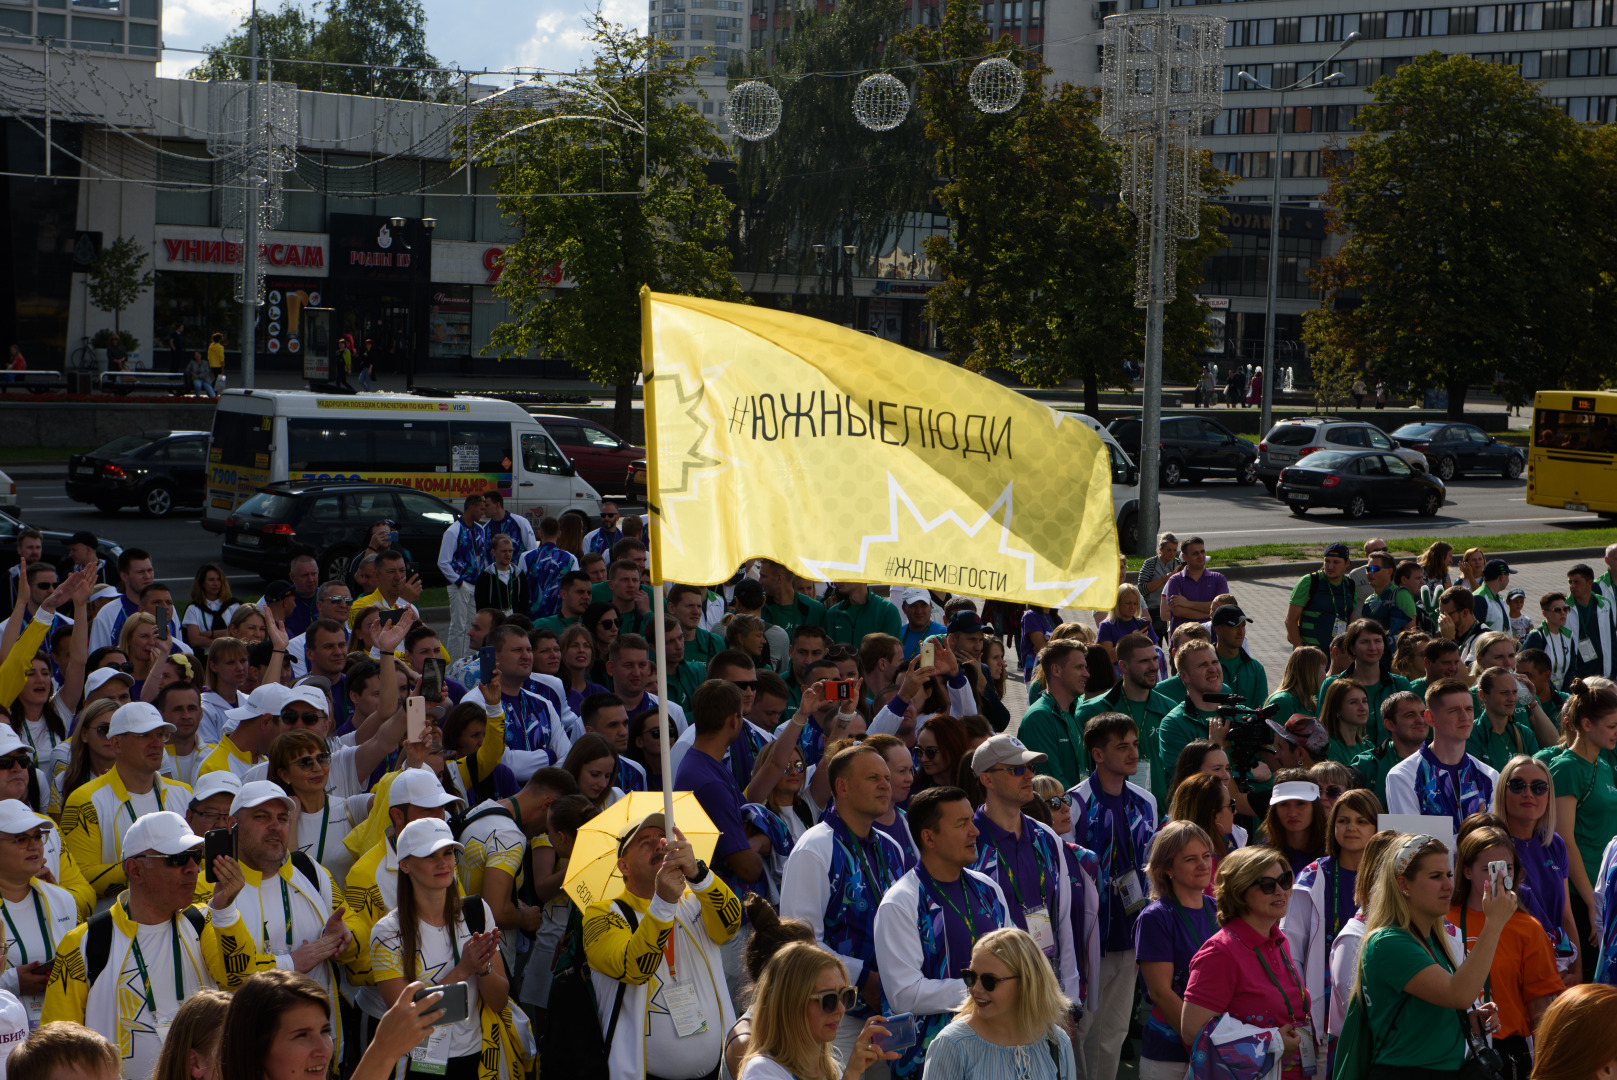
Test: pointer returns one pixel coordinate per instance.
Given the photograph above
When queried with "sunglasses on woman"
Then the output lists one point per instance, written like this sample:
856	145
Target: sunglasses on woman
607	624
1057	802
1334	791
929	752
990	982
310	761
1268	885
797	767
828	1001
1516	785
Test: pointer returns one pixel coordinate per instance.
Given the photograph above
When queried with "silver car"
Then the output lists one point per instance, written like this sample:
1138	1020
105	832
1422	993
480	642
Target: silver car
1291	440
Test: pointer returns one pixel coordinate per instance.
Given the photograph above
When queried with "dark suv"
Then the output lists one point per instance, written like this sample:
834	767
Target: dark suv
332	520
155	471
1193	447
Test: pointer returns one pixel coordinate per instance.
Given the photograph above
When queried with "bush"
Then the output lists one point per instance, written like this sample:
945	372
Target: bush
103	338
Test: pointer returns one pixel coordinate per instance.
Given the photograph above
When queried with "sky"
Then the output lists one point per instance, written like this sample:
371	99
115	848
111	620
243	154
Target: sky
476	34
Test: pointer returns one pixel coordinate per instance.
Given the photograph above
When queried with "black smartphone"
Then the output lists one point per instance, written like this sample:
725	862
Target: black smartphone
216	842
391	616
485	665
453	1002
432	679
162	622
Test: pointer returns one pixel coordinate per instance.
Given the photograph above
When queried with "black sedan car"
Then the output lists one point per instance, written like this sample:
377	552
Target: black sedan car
1193	448
1358	483
1454	449
331	520
53	549
156	472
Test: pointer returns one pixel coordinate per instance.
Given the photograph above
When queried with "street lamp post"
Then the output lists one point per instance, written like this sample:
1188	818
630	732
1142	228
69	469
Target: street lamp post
1266	420
848	251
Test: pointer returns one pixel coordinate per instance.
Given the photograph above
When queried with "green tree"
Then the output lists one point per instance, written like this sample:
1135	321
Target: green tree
667	232
117	277
1467	257
366	47
823	178
1039	266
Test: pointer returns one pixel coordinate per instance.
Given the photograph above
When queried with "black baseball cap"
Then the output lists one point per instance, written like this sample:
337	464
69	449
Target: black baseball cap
1495	568
966	622
1338	550
83	536
1230	615
277	590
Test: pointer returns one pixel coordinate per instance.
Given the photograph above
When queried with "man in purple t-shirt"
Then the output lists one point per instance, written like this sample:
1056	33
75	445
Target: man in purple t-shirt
715	713
1188	596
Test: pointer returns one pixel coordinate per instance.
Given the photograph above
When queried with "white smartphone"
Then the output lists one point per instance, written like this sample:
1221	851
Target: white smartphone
928	654
415	719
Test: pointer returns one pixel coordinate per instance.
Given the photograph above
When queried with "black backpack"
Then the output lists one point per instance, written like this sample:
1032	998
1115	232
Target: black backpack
572	1044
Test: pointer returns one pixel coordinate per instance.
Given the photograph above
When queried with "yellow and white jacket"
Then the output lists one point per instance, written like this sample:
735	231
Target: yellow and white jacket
95	819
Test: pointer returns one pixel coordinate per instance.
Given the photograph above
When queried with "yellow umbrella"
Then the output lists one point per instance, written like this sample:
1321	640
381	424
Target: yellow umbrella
592	869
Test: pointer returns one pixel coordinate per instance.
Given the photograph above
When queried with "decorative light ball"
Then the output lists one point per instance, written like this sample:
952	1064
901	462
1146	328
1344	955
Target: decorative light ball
996	85
881	103
754	111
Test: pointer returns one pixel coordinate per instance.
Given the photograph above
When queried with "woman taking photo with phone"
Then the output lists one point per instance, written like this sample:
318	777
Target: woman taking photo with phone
1416	1001
1246	969
1010	1027
1522	980
431	938
800	1001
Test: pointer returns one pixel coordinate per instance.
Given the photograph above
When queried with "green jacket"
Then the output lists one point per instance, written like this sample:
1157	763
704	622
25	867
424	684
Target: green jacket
1247	676
1174	689
1182	725
1047	729
703	647
1497	749
683	681
1147	716
1390	684
849	624
803	609
1374	765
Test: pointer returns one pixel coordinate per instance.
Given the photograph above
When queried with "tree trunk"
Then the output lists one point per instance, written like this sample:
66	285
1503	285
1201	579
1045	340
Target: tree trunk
622	405
1091	394
1456	390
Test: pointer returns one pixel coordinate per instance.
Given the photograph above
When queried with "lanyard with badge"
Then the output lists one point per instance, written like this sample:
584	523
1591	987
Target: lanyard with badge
320	848
1299	1022
35	1002
1586	645
966	917
679	995
432	1056
161	1025
1341	607
263	919
1127	884
1037	917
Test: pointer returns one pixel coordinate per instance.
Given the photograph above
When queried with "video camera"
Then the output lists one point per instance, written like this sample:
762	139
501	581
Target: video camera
1249	733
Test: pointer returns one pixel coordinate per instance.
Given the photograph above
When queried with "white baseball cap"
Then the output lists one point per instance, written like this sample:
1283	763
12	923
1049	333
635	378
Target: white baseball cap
418	787
162	831
10	743
268	700
1294	791
16	818
103	592
218	782
905	596
137	718
311	696
259	792
100	676
423	836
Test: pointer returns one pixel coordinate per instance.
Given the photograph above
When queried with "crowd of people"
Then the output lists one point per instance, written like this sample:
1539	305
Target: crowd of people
242	835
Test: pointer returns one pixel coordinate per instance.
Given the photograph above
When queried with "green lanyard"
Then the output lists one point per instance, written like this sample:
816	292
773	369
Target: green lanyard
1010	875
157	790
965	916
1258	951
44	929
286	905
320	852
140	962
1196	936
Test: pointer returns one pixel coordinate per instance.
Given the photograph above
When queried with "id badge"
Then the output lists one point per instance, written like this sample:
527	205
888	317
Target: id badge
684	1009
1305	1047
432	1056
1142	775
1038	925
1339	627
1586	650
1129	891
36	1007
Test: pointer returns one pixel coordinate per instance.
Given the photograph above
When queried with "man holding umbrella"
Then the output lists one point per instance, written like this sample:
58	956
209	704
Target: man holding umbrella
658	941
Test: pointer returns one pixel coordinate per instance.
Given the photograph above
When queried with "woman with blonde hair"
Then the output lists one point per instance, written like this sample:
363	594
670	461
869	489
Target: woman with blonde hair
800	1001
191	1050
1245	970
1406	655
1574	1038
138	641
1128	616
89	752
1169	932
248	624
1010	1027
1471	566
1408	988
1524	799
1299	684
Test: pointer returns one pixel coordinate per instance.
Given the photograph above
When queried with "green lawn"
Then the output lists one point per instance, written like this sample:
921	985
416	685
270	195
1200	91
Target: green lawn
40	453
1411	545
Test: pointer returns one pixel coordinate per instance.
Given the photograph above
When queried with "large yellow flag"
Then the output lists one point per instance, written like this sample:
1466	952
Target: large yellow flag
850	458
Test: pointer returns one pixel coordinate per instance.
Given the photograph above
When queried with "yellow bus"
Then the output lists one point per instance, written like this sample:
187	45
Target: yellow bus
1572	460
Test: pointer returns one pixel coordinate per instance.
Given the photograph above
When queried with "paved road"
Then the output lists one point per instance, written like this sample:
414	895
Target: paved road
178	543
1228	514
